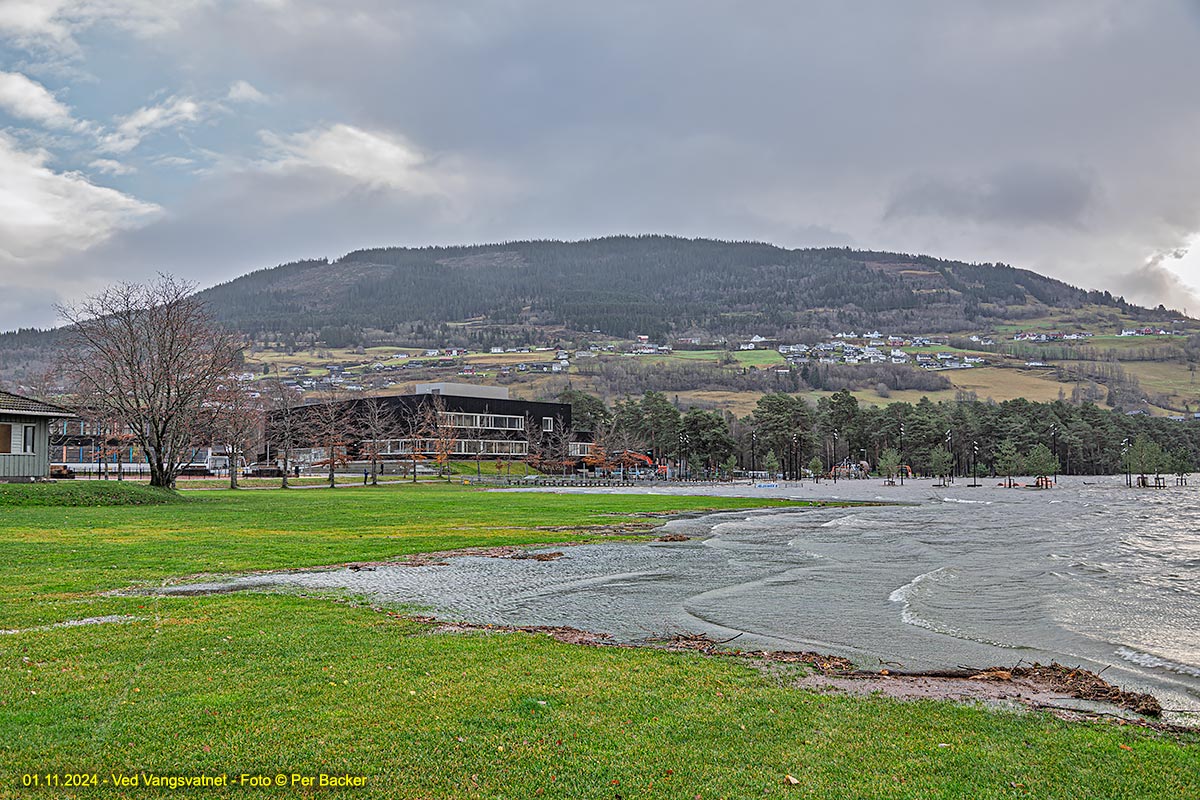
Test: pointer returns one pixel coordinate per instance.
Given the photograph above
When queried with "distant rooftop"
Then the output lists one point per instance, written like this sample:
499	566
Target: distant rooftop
464	390
15	403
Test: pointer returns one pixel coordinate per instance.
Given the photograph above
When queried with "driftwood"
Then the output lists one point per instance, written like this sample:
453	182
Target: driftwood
1081	684
1085	685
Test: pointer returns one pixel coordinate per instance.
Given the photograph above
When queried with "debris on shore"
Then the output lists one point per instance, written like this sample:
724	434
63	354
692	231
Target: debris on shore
1036	686
561	633
525	555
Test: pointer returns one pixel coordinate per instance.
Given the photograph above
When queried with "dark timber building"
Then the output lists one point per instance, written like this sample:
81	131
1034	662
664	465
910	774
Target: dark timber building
457	420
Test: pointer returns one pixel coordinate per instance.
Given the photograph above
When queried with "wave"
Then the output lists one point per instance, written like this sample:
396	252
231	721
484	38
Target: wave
905	595
1150	660
968	502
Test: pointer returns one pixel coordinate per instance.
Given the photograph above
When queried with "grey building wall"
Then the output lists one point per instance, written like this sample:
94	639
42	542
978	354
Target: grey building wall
27	465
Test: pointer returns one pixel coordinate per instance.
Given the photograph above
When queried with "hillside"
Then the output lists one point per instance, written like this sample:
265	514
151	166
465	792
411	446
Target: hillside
366	320
626	286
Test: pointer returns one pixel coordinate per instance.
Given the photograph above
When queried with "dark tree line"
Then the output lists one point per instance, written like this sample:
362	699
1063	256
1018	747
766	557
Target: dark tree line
931	438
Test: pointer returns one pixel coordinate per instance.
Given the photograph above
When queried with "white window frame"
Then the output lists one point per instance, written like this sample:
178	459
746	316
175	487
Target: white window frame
547	424
28	439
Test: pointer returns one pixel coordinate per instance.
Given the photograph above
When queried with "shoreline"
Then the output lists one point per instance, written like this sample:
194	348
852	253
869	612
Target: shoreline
1029	687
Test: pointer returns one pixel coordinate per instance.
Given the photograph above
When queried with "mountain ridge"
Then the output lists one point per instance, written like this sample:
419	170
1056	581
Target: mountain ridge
651	285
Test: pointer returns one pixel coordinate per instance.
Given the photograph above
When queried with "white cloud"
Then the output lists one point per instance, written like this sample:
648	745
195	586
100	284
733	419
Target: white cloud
51	25
108	166
45	215
27	99
374	159
130	131
173	161
243	92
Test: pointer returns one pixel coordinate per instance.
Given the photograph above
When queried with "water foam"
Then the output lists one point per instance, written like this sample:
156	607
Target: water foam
905	595
1150	660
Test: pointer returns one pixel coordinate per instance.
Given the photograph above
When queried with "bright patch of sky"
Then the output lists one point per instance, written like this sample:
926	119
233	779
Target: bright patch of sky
213	137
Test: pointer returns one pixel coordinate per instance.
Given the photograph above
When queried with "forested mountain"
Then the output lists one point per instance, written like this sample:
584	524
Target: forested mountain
622	286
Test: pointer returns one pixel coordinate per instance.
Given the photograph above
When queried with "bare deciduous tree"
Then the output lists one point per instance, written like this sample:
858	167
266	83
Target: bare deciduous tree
152	355
535	443
411	425
437	428
558	445
237	423
377	424
284	423
328	424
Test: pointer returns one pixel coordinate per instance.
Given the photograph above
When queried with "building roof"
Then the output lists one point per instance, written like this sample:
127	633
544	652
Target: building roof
16	404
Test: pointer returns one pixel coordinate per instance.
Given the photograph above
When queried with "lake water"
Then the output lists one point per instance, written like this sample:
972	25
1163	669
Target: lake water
1090	573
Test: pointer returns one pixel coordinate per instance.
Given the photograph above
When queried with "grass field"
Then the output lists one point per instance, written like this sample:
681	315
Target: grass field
267	684
1009	384
1172	379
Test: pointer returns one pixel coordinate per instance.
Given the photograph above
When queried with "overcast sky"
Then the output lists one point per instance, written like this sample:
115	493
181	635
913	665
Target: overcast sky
209	138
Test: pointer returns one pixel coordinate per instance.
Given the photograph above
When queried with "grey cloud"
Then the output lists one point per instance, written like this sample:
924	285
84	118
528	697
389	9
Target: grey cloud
1056	136
26	307
1018	195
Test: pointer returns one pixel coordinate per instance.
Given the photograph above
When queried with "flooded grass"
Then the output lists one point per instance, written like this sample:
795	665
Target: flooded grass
273	683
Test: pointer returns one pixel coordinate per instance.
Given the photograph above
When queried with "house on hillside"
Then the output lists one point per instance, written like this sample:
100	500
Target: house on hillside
25	437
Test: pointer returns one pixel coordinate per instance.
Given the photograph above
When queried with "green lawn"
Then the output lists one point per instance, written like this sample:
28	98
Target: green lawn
279	683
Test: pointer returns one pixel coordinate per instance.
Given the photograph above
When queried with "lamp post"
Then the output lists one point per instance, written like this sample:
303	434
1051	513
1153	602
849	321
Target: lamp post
684	441
835	451
1054	449
950	450
753	452
1125	458
796	475
863	452
974	463
903	466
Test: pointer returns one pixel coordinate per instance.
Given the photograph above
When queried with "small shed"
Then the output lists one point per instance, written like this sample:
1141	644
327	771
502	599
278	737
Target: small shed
25	437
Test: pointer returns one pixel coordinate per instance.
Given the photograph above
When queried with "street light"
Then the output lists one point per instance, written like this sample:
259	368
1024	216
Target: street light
796	475
903	466
1054	449
753	452
950	450
835	452
684	441
974	463
1125	458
